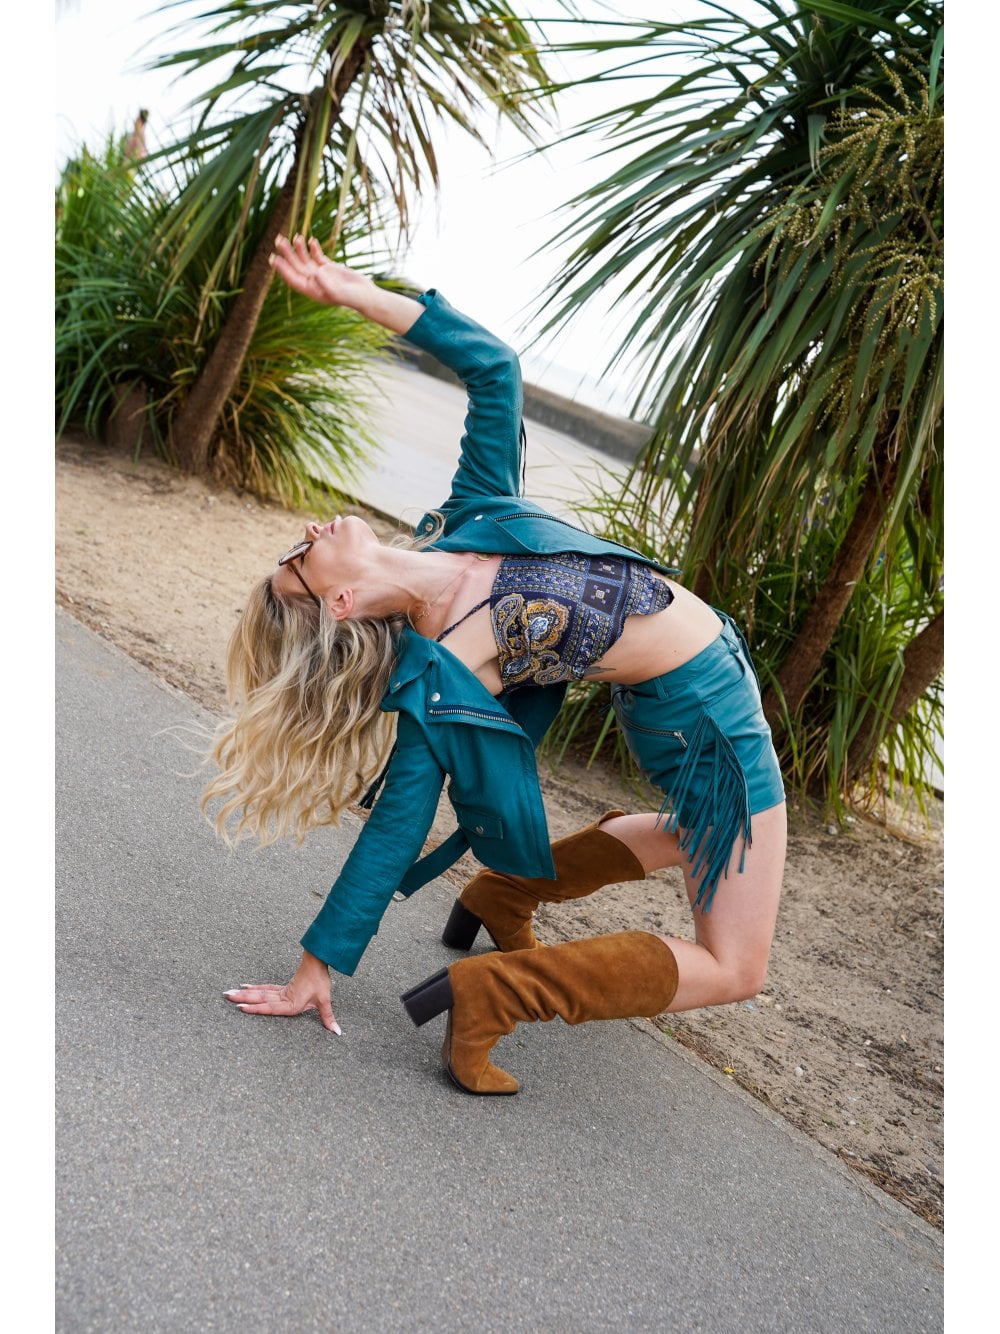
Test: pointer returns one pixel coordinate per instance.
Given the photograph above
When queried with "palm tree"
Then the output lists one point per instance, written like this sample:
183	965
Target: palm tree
380	70
776	234
295	428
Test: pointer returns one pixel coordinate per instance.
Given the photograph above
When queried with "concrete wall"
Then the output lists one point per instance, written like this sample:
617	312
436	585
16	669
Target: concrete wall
618	437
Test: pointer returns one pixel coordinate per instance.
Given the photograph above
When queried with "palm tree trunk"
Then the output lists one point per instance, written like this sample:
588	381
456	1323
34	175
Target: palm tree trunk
923	662
803	659
194	426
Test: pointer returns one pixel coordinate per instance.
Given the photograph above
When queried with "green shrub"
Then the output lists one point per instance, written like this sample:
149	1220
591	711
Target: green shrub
859	675
295	425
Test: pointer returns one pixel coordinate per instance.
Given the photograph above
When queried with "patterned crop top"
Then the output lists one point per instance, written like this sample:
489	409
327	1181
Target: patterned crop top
555	616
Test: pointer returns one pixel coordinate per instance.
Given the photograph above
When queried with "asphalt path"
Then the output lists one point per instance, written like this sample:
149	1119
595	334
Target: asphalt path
222	1172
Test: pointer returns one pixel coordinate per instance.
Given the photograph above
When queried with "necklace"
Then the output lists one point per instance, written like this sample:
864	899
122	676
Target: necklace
479	555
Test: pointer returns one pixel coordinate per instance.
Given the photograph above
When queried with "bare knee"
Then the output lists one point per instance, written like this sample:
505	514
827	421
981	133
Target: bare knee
752	982
742	978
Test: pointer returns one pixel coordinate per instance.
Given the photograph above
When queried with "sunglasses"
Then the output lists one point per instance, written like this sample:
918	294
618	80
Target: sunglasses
297	552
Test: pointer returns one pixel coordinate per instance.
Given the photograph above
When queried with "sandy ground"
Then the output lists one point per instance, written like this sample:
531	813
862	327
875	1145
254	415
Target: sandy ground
846	1039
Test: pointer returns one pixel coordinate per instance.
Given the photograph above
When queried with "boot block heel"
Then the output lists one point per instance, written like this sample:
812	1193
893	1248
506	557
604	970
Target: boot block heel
429	998
461	928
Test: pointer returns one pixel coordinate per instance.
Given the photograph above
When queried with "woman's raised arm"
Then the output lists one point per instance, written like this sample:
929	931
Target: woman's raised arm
307	270
491	458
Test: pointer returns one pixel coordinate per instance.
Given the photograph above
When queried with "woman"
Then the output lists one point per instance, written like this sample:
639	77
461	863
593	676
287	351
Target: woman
347	635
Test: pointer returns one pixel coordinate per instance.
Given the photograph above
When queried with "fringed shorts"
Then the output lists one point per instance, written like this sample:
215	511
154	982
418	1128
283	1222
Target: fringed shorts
699	733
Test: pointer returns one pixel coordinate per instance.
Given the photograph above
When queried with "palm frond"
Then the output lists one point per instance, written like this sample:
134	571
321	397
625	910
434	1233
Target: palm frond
773	227
277	91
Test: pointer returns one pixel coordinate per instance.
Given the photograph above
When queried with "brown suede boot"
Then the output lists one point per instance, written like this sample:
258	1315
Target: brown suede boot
505	904
608	977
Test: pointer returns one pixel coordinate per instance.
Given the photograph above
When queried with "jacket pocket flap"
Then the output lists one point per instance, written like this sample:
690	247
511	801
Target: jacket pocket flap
477	822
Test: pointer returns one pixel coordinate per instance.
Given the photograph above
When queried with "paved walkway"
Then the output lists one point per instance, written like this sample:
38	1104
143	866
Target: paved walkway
217	1172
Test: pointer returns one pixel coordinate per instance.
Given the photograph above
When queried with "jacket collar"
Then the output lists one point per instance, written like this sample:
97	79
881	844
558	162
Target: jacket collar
414	654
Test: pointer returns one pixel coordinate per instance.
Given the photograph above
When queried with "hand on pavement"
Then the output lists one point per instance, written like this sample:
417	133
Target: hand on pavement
309	989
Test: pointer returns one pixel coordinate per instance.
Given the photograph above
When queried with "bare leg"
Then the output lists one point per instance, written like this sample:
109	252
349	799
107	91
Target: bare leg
727	960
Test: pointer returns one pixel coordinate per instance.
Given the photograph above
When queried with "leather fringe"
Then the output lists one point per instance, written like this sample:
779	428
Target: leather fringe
721	811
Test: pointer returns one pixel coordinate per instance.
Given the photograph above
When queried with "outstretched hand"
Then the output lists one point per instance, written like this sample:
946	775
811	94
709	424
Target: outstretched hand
305	269
309	989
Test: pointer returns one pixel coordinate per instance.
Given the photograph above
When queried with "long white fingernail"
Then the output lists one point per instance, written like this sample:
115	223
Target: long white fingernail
336	1029
235	992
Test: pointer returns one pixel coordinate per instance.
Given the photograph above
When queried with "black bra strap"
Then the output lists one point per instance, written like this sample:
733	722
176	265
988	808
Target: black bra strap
461	619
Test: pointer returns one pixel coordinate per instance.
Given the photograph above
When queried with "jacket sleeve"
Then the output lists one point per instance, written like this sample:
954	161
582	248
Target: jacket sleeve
389	843
491	459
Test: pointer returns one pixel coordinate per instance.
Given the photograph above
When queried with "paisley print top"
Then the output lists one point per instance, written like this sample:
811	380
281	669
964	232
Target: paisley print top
554	616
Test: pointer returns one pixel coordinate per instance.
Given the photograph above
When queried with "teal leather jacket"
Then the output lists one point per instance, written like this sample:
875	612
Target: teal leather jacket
449	725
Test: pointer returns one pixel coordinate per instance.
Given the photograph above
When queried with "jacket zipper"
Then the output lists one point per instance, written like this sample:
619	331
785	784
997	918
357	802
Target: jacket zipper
473	713
532	514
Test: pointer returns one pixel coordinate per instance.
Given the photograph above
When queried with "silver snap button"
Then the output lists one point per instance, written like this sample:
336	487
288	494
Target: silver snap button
428	527
395	685
435	697
479	829
477	518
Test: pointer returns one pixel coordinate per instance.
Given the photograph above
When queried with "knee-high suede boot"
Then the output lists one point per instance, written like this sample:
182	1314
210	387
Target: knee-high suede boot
608	977
505	904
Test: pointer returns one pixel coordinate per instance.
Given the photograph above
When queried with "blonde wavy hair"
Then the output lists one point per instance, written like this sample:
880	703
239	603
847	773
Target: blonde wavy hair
309	736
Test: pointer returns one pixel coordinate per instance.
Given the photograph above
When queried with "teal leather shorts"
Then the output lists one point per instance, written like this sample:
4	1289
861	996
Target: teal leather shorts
699	733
